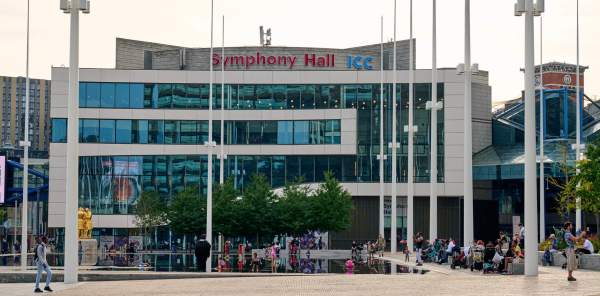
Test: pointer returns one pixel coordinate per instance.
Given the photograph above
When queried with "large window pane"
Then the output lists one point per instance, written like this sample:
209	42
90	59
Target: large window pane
90	132
278	171
301	132
136	95
122	95
171	132
269	132
107	131
59	130
92	99
179	96
240	133
165	95
255	132
307	168
292	168
156	132
308	97
293	96
279	97
285	132
107	95
247	97
317	132
264	97
123	131
188	131
82	94
150	95
332	132
193	95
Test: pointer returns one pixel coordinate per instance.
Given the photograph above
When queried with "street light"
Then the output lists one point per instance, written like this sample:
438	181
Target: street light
210	144
71	248
530	10
411	133
381	155
434	106
25	144
468	70
394	146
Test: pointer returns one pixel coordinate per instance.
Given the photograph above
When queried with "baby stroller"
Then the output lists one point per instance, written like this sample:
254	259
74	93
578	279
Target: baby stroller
477	260
488	259
458	259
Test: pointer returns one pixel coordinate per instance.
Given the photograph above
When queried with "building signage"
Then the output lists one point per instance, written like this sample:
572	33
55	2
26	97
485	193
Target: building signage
311	60
2	177
289	61
359	62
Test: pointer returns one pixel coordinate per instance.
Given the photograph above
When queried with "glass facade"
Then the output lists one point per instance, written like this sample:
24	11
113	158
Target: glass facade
195	132
112	184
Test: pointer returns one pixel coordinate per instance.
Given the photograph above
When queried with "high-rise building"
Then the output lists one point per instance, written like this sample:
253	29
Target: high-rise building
12	104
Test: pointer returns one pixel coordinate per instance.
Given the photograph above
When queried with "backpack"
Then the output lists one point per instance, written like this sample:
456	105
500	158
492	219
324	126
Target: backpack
35	254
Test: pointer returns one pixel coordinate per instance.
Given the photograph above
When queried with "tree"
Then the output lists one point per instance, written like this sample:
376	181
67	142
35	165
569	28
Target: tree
227	216
149	211
589	179
256	208
566	184
187	212
293	209
331	208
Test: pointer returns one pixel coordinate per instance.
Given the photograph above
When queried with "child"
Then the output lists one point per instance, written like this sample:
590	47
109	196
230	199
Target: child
349	266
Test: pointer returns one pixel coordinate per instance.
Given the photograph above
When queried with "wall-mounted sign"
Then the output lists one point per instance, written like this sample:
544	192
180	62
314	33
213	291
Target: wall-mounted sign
359	62
289	61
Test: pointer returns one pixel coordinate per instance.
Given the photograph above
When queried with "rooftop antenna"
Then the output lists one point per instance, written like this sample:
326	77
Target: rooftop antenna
265	37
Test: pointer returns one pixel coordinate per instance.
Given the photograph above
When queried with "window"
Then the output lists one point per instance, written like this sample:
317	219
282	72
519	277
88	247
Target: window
155	131
122	95
332	132
139	131
269	135
165	95
301	132
107	131
255	132
123	134
59	130
107	95
92	95
171	132
308	97
189	134
179	96
285	132
89	130
136	95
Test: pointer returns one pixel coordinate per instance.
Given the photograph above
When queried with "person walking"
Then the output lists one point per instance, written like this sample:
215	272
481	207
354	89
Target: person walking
419	248
571	259
202	252
39	259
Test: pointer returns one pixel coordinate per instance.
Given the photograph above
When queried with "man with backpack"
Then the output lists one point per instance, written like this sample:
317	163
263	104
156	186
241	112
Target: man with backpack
202	252
39	258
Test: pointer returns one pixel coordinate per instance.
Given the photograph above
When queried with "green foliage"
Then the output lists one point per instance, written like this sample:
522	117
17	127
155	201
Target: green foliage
596	242
589	178
293	209
227	214
187	212
256	208
150	210
2	214
331	207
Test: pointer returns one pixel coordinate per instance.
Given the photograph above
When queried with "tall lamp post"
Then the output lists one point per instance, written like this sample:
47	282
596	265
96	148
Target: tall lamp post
394	147
72	7
210	144
381	155
468	70
542	138
411	133
25	144
530	10
434	106
578	146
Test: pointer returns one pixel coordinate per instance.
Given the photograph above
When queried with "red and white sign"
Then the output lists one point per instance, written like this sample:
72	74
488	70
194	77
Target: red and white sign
289	61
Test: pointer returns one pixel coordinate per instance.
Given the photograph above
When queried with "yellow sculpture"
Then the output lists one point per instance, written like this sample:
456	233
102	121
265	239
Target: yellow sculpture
84	223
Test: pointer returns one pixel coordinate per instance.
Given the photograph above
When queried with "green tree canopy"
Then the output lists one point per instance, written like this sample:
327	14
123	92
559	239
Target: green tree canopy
256	208
331	208
589	178
150	210
227	215
187	212
293	209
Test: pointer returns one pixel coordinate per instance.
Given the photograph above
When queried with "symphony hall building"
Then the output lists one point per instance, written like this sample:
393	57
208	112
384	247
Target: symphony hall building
289	112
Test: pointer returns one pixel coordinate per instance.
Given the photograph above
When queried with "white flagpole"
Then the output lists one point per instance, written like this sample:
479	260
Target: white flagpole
210	145
410	180
222	146
542	189
393	220
434	109
468	135
25	144
578	220
381	155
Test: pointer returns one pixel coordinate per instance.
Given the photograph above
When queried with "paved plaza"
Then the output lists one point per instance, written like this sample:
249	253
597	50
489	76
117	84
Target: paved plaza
440	281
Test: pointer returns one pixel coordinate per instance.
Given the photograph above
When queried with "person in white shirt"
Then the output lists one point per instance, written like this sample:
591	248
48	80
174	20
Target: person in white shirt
42	265
587	244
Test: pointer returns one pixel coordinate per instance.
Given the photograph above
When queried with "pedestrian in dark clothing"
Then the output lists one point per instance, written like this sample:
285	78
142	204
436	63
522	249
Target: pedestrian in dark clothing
202	252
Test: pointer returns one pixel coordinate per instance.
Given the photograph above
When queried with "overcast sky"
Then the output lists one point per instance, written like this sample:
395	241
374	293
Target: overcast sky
497	35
